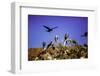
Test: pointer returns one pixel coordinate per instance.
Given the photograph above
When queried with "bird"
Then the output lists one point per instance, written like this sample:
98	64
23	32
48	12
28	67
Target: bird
66	37
74	42
85	45
50	44
56	38
85	34
44	45
49	29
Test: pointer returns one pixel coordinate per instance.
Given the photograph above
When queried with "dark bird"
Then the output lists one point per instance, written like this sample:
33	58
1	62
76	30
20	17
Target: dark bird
74	42
49	29
43	45
50	44
85	34
85	45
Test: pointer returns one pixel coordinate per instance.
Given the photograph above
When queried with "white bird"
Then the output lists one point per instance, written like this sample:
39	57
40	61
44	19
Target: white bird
66	39
56	38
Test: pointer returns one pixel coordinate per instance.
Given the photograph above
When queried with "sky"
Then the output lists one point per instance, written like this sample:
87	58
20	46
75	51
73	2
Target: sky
74	26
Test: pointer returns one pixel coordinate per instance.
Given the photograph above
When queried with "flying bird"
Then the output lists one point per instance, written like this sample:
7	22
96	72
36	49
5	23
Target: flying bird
85	34
49	29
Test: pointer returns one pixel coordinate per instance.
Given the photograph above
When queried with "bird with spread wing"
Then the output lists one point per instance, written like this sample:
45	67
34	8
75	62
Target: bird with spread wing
49	29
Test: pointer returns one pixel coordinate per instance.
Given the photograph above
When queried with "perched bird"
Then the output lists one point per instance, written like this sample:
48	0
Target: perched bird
44	45
85	34
49	29
50	44
56	38
74	42
66	37
85	45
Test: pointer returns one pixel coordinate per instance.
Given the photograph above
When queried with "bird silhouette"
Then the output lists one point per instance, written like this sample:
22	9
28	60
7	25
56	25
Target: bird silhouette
49	29
85	34
50	44
43	45
85	45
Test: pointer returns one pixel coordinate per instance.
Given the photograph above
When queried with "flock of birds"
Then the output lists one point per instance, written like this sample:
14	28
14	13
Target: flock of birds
66	38
66	49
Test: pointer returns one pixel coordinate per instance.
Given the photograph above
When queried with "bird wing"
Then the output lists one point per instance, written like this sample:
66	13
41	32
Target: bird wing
54	27
46	27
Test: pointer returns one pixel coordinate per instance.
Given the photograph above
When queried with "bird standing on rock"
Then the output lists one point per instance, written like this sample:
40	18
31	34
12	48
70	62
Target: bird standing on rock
65	39
44	45
56	38
50	44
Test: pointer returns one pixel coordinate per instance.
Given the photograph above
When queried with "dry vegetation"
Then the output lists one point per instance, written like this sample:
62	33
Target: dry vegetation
60	52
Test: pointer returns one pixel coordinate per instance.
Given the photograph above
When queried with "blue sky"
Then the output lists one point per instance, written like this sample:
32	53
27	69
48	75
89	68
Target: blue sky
74	26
